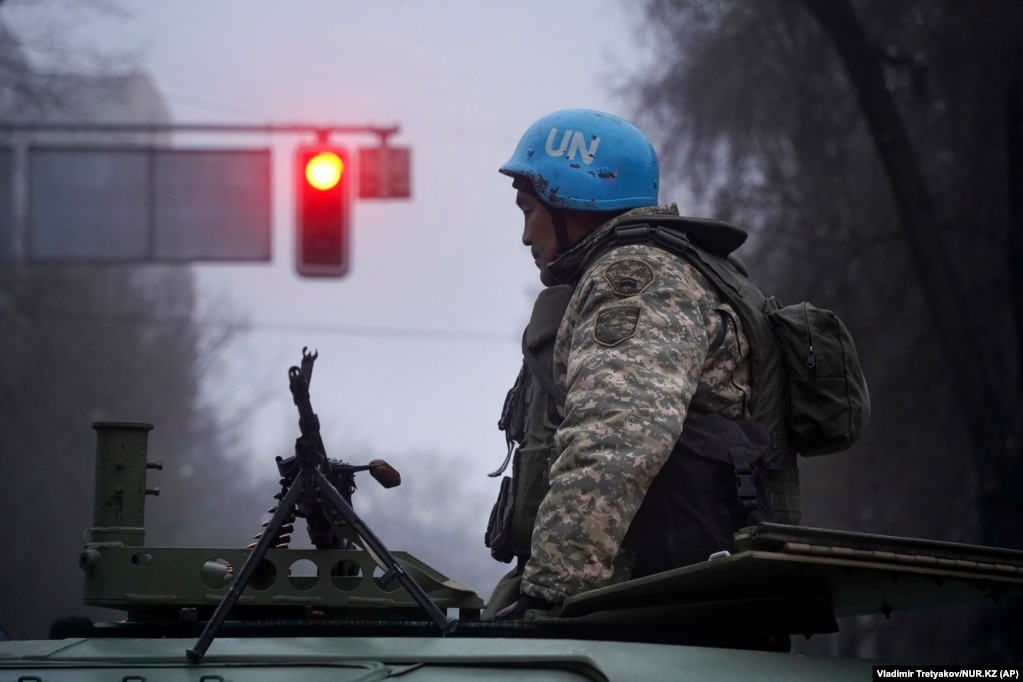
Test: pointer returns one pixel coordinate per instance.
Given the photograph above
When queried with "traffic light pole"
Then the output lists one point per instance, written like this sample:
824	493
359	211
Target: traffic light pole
268	129
385	175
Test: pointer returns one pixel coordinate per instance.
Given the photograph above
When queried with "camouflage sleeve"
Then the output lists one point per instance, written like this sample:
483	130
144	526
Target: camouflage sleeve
631	349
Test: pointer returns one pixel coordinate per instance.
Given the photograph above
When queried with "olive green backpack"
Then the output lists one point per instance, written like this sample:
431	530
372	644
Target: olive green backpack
807	386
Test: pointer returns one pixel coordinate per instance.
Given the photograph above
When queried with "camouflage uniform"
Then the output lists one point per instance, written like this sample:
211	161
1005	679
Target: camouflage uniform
644	341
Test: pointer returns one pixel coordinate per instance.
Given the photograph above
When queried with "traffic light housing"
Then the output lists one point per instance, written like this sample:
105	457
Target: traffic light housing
323	197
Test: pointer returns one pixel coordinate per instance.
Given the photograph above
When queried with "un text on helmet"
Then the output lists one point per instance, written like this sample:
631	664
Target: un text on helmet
572	141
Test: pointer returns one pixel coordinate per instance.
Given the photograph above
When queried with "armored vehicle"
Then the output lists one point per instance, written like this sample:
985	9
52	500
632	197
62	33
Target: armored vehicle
365	613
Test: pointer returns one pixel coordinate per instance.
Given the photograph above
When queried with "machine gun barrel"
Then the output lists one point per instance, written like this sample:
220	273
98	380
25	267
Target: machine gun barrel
299	379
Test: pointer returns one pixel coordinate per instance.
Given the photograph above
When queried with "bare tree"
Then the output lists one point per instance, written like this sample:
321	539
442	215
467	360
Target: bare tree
991	428
870	160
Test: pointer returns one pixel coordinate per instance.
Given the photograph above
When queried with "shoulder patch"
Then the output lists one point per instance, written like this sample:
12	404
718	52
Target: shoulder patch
629	277
615	324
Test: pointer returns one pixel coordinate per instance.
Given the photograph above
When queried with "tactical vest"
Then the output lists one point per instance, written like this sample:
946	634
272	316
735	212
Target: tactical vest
531	415
808	390
707	244
532	409
529	419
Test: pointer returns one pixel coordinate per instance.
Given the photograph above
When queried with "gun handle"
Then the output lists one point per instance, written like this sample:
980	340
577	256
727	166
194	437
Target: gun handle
384	473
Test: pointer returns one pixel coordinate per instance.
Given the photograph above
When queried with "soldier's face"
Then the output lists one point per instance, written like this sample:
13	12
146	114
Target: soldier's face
538	230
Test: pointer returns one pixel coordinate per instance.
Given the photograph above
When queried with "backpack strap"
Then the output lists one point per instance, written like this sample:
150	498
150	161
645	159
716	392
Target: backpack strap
749	303
542	375
681	244
707	245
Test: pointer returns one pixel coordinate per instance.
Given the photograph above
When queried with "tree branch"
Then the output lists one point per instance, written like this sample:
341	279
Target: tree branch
946	303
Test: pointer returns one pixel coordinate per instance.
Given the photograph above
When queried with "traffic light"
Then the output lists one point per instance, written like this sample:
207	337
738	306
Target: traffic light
323	195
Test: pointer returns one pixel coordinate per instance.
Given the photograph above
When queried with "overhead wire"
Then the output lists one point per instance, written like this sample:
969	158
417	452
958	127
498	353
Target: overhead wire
197	86
386	332
248	326
217	102
212	103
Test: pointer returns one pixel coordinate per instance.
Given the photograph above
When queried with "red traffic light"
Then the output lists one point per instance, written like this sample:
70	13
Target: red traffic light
324	170
323	198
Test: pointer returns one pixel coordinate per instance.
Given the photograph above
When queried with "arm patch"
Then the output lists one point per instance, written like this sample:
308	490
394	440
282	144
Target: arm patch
614	324
629	277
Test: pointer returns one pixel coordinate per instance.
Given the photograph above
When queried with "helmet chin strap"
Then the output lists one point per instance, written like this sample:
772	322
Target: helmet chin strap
560	230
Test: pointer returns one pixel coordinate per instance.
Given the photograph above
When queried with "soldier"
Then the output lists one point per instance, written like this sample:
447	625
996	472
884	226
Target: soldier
628	420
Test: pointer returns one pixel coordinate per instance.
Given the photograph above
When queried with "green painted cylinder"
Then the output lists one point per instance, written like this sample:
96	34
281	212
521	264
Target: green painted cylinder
120	494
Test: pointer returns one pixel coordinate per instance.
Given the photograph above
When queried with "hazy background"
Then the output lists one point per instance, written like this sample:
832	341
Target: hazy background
420	342
757	117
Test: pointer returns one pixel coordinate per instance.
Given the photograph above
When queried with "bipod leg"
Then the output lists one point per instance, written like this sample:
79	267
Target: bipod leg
241	580
382	556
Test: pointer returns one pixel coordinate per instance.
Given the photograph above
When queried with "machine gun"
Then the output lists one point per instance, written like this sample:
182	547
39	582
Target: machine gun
320	490
327	529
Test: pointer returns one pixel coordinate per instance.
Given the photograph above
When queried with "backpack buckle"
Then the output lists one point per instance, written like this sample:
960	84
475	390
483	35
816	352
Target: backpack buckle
744	487
632	233
676	242
639	233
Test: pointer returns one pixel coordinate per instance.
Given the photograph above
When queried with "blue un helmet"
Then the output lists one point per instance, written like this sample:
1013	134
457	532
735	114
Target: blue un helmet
586	160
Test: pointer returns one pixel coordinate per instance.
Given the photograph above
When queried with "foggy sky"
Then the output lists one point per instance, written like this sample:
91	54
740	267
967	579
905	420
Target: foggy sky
419	343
